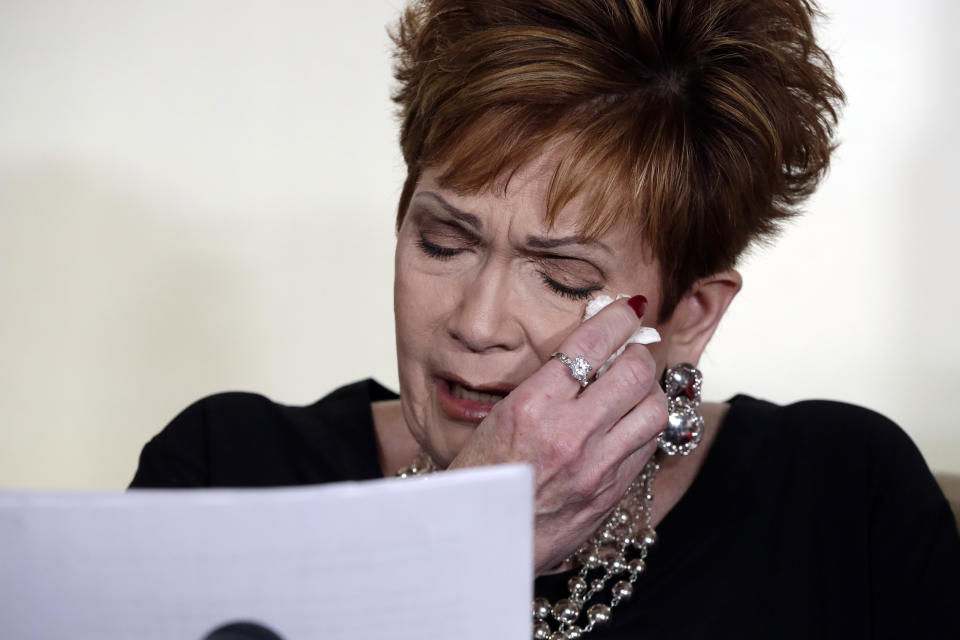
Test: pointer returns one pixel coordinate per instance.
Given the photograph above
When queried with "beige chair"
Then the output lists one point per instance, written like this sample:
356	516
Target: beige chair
950	483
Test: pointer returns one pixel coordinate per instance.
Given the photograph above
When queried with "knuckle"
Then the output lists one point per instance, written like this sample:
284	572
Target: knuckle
635	373
593	341
525	411
563	450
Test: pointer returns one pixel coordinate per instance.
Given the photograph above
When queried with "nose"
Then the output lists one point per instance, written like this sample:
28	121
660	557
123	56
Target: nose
485	320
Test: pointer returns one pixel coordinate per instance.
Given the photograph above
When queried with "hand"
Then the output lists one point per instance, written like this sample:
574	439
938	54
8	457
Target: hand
586	447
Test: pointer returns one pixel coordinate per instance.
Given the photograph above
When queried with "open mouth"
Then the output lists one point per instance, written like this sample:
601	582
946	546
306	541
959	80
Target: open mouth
464	392
461	401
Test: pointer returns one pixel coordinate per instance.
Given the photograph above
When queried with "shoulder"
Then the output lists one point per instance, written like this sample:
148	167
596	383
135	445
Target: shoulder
233	410
247	439
814	416
855	465
842	456
827	430
858	491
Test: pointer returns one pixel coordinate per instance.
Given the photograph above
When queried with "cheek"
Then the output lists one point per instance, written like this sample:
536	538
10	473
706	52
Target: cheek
553	336
423	300
547	318
416	299
413	303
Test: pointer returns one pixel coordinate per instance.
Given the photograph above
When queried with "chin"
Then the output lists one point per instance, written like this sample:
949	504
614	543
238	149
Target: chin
445	396
443	440
442	415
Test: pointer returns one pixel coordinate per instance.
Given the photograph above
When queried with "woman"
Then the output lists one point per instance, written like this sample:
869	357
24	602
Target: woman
557	151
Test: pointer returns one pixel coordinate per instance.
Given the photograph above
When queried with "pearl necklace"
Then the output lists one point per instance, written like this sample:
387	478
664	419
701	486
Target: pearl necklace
616	551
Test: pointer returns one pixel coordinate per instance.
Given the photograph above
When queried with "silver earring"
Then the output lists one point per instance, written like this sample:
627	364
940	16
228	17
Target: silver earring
685	425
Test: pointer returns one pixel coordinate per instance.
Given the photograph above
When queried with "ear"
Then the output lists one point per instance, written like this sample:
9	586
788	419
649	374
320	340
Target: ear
697	315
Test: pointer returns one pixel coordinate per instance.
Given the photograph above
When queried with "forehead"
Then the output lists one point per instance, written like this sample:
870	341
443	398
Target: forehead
520	202
523	194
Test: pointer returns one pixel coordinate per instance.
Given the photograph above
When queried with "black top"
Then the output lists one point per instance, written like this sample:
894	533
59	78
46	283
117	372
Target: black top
813	520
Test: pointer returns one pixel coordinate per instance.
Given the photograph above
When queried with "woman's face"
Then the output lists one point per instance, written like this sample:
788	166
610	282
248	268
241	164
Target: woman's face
485	292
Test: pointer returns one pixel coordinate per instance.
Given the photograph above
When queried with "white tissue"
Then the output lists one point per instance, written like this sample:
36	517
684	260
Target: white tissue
643	335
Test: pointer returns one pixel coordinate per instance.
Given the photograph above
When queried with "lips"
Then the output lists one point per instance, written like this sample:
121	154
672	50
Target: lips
463	392
460	401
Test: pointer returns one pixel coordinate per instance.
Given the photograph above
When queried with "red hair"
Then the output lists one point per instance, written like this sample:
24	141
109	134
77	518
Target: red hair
701	124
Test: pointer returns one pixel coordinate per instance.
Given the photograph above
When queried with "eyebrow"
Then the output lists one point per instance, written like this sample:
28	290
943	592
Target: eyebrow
539	242
536	242
468	218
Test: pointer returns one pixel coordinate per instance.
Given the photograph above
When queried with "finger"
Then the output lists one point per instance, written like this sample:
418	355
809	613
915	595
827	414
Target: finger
630	379
637	430
595	340
626	471
633	464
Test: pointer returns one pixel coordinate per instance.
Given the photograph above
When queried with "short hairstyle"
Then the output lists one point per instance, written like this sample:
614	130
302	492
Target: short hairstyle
702	124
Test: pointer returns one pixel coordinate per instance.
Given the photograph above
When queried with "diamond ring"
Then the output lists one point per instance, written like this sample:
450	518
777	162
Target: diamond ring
579	367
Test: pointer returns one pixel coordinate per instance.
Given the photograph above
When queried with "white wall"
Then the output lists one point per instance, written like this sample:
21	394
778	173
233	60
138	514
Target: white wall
199	196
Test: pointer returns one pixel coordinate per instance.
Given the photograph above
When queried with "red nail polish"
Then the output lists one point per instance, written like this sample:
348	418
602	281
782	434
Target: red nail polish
638	304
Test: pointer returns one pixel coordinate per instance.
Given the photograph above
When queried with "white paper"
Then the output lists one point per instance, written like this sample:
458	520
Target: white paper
443	556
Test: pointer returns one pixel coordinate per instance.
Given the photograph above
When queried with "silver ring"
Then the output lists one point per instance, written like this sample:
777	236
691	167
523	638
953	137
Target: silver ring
579	367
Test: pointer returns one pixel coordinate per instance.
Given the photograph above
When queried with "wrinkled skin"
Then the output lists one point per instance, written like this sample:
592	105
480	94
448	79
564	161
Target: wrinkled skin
485	292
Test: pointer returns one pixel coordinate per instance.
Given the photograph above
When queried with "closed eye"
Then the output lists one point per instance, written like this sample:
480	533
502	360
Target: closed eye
437	251
572	278
573	293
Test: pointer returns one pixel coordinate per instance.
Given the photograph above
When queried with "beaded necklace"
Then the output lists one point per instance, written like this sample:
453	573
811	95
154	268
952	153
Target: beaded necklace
613	558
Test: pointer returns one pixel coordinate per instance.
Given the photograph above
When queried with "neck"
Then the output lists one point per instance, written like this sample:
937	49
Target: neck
395	446
677	473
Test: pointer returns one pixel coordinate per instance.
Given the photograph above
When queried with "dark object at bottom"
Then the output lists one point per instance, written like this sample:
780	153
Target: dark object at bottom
242	631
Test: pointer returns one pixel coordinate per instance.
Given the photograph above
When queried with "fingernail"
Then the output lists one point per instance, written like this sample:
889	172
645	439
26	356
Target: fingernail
638	304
